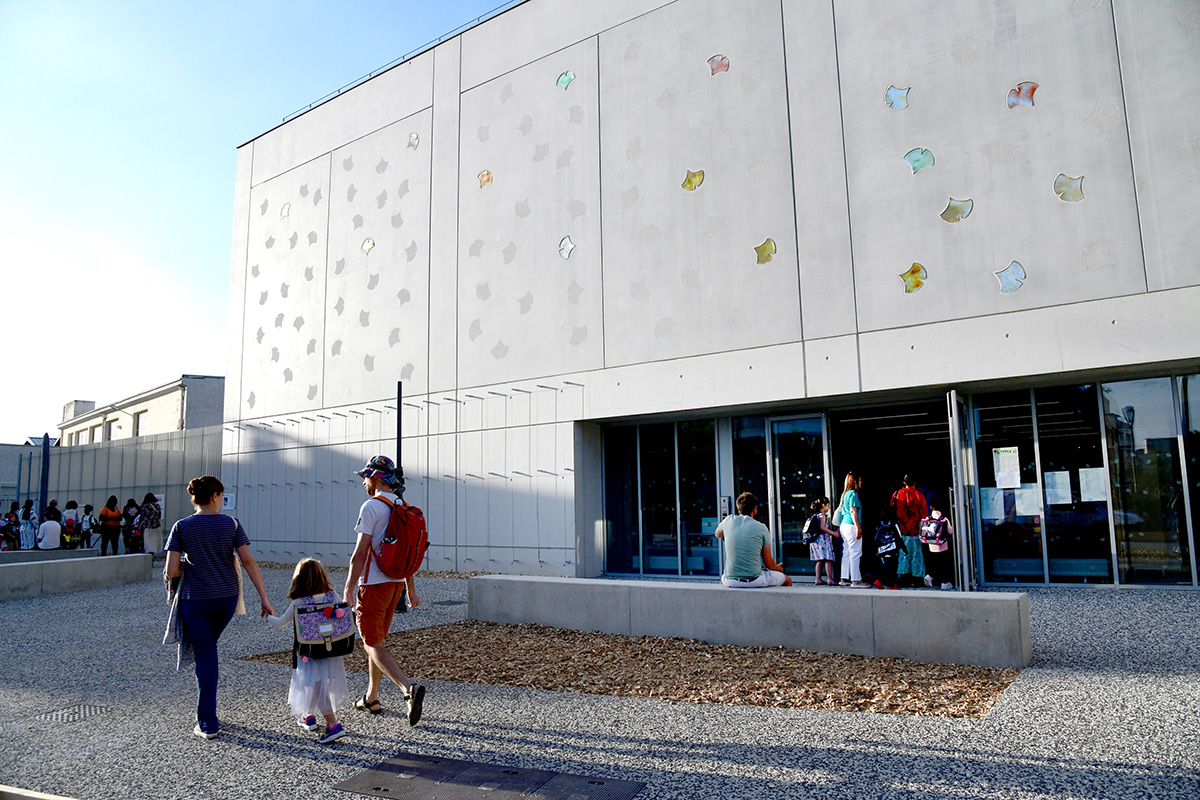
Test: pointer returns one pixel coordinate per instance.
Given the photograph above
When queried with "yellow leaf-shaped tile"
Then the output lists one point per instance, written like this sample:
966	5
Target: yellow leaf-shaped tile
485	179
693	180
764	251
1069	190
958	210
915	278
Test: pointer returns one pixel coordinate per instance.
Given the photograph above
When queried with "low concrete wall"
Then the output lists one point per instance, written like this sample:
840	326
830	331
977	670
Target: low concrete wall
984	629
21	556
34	578
13	793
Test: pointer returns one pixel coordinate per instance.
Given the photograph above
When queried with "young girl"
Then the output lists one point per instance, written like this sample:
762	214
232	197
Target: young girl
821	551
318	684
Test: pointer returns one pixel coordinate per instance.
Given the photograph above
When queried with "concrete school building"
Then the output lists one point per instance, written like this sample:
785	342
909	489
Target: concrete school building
629	259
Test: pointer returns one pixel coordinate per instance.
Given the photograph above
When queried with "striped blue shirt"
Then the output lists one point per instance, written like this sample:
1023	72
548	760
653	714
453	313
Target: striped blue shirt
207	542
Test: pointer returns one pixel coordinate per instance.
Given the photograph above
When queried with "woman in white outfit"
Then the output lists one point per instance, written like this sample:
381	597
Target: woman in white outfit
29	525
850	527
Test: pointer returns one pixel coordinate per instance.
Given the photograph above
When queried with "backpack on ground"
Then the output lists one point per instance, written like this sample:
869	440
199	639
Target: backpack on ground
812	530
404	542
324	628
935	530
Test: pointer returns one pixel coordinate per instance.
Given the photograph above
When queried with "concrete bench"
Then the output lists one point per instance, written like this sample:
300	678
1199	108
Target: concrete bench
33	578
983	629
20	556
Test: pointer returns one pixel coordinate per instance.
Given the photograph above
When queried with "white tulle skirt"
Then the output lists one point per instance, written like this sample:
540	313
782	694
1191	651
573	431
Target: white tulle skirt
318	687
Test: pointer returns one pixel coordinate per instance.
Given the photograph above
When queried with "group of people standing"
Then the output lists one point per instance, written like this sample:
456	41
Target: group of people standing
205	553
139	525
910	546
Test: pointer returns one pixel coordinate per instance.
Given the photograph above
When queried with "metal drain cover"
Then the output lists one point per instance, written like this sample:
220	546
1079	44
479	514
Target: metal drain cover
449	602
415	777
76	713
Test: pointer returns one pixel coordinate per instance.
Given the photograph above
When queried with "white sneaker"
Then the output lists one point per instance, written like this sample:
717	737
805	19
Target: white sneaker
946	587
929	581
202	733
309	723
859	585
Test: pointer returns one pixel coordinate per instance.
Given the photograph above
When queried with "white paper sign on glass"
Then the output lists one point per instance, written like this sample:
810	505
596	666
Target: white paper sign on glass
1027	500
1093	485
1006	462
991	503
1058	488
229	501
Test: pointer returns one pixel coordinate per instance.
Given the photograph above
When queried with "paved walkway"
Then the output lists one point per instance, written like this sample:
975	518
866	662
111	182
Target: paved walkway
1110	708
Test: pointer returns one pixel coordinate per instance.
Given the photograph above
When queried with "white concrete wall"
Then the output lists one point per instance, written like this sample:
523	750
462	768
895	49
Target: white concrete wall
503	344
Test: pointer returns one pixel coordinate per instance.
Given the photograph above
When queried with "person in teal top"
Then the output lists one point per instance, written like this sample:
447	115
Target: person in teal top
850	526
748	548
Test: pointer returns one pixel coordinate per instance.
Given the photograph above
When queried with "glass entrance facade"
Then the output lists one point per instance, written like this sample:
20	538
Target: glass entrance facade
1090	483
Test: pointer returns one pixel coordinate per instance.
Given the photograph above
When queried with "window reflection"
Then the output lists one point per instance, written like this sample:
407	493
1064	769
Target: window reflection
660	533
698	497
1075	485
1190	395
1147	487
621	499
1009	500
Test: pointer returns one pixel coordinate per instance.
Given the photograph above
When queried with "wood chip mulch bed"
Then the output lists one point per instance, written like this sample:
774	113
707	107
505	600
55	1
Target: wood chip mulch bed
685	670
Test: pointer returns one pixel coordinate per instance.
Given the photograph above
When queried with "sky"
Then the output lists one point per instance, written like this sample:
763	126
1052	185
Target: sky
119	124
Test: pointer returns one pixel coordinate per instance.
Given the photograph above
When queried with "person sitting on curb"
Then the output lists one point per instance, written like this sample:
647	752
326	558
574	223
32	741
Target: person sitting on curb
748	548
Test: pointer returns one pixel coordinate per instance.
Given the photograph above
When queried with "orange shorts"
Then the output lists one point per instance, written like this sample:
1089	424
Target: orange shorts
374	606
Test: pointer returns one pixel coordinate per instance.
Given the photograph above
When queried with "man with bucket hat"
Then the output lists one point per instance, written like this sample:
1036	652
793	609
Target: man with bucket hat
379	596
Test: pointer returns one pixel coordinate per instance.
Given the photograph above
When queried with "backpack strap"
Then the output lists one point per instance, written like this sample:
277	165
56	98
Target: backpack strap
371	548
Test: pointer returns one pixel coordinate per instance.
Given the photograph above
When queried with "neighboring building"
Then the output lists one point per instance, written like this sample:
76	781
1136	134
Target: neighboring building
193	401
10	472
630	259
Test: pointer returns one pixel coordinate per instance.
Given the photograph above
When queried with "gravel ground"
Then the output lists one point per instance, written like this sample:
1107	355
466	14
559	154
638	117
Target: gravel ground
1108	709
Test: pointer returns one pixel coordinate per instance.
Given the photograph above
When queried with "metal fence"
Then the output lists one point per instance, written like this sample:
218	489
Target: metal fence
128	468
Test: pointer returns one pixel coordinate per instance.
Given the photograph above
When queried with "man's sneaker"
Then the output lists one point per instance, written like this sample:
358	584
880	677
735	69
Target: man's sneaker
415	698
929	581
309	723
332	733
203	734
844	582
947	586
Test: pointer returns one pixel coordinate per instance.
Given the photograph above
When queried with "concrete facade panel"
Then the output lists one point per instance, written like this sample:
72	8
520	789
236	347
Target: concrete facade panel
1005	160
681	274
395	94
1160	65
376	302
818	171
443	217
529	291
283	334
534	30
238	273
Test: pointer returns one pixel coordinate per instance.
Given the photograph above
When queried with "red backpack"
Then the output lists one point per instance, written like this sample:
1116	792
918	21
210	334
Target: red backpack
404	542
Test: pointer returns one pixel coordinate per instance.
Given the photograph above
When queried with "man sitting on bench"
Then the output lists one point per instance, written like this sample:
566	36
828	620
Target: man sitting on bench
747	548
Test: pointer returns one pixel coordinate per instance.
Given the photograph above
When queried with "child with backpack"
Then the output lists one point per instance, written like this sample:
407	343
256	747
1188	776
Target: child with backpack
936	533
86	525
889	544
318	683
818	535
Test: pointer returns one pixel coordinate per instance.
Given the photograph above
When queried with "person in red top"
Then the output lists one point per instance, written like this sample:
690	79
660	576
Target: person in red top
911	508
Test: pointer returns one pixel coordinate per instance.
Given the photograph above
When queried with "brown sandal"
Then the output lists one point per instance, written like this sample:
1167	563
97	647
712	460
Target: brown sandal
368	705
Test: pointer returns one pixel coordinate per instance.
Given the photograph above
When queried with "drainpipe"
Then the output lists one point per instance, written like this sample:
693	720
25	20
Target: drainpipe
182	405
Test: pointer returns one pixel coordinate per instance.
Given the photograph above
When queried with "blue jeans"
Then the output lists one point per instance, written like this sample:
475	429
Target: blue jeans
203	621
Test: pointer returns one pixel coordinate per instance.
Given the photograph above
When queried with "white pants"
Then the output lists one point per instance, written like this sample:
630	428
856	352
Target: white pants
851	553
767	578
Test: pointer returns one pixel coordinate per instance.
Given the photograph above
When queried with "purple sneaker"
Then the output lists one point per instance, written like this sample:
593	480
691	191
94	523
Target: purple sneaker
332	733
309	723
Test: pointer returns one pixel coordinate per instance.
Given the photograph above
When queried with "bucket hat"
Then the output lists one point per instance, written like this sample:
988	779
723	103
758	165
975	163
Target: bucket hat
383	468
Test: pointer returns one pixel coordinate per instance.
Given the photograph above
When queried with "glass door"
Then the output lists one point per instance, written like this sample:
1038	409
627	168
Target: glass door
960	501
796	455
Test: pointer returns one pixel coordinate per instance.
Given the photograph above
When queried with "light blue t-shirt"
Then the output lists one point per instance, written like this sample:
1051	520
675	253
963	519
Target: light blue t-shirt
745	538
850	499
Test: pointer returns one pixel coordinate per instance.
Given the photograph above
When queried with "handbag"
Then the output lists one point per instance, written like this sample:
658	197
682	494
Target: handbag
837	516
324	629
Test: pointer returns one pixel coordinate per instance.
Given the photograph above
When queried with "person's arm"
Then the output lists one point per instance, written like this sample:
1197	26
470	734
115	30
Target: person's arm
769	560
174	564
358	562
857	524
255	577
285	618
827	529
410	584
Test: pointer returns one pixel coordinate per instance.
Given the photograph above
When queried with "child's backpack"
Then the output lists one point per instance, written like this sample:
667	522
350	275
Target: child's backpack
887	538
70	534
324	628
812	530
404	543
934	530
